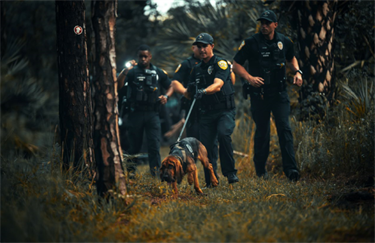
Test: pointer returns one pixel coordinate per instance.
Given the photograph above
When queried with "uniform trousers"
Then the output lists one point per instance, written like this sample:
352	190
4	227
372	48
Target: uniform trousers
261	109
192	130
148	121
220	124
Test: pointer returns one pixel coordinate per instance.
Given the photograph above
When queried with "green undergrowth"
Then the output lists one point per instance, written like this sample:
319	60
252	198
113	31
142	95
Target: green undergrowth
40	203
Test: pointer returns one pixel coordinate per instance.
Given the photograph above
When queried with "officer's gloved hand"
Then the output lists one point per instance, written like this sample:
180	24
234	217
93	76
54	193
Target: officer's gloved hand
200	93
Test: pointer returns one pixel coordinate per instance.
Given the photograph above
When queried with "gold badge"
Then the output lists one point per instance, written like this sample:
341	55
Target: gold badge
280	45
178	68
223	64
242	44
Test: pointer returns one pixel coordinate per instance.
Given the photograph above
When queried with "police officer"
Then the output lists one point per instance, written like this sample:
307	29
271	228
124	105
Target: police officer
267	53
210	81
180	82
145	98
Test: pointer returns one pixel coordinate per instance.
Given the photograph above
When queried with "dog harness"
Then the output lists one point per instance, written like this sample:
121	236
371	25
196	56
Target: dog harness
182	150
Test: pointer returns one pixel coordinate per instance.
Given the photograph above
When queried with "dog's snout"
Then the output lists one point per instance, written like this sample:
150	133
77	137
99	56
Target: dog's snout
166	177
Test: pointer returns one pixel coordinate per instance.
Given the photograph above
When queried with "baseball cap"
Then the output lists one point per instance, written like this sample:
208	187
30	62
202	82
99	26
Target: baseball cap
268	15
204	38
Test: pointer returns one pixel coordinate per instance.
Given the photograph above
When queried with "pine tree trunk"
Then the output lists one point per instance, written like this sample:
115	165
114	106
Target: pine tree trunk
3	33
108	154
316	33
75	107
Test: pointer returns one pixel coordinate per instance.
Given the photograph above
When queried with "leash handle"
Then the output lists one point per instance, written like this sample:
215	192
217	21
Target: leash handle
187	118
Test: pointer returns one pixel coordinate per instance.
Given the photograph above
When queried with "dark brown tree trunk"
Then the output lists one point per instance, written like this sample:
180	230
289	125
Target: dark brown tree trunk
75	109
108	154
3	33
316	33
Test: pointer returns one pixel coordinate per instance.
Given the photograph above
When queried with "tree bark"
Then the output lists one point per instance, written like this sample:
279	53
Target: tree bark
75	107
108	154
3	33
316	33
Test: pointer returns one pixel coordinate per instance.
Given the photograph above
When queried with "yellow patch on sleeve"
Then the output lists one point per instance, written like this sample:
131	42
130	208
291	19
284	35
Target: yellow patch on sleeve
242	45
178	68
223	64
165	72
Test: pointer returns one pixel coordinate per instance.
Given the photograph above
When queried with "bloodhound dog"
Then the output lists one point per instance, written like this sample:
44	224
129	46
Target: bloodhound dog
181	161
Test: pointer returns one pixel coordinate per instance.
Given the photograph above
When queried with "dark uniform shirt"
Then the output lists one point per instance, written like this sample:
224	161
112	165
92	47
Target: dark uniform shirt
162	80
257	51
249	50
207	72
183	71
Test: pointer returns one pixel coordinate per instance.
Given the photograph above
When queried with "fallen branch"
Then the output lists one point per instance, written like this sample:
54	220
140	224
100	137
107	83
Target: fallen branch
240	154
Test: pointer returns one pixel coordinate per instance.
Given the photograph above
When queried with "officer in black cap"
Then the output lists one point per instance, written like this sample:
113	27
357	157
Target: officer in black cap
210	82
179	83
267	53
143	93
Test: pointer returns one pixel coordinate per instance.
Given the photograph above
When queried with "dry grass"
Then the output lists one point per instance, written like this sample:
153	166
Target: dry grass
333	201
39	203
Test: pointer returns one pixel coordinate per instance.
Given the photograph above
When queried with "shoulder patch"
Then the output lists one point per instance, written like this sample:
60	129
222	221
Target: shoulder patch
242	45
178	68
165	72
223	64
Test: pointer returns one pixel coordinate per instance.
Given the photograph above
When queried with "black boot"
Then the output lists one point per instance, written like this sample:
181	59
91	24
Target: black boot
232	178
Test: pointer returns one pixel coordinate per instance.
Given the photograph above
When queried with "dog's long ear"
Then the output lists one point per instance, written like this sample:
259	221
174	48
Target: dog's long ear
161	170
179	171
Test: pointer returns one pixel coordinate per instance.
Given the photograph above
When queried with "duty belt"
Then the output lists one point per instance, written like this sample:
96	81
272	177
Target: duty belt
215	106
227	103
146	107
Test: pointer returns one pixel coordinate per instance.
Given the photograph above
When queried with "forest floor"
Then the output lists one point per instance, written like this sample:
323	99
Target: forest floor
273	210
43	204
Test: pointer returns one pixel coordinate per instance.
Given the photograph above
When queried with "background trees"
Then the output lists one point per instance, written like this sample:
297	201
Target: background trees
75	107
29	78
108	154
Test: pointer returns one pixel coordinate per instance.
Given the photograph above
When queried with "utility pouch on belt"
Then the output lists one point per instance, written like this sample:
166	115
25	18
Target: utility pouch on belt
139	94
267	76
149	80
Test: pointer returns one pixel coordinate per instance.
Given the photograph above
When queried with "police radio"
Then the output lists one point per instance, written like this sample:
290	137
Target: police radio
151	78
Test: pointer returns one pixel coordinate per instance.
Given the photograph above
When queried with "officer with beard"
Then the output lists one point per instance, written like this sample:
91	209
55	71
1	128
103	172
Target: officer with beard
267	54
211	83
144	97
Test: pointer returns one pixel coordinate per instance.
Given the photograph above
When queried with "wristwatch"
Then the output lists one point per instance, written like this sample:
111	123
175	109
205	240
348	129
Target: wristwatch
166	96
299	70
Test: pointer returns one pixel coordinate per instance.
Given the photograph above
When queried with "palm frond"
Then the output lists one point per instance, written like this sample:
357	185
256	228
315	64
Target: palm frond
228	24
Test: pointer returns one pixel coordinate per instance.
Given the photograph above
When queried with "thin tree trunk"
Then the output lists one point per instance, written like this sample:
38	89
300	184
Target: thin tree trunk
3	33
75	107
316	33
108	154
